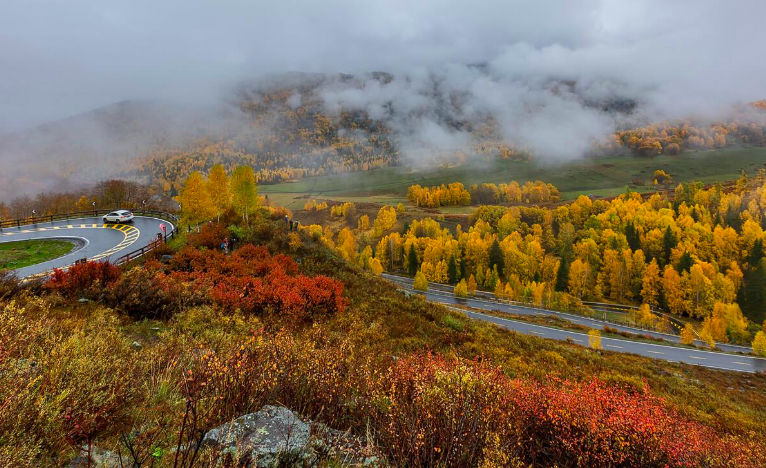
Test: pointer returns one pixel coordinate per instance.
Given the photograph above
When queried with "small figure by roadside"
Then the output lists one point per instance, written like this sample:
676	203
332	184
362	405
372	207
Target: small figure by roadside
225	246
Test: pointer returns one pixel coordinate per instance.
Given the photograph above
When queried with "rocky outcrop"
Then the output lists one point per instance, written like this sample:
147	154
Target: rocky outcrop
272	436
98	459
275	436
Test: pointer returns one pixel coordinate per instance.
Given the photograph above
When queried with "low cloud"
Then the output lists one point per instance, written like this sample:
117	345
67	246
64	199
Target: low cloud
555	75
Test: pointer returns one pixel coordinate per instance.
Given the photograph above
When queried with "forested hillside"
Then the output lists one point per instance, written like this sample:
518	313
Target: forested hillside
142	361
301	125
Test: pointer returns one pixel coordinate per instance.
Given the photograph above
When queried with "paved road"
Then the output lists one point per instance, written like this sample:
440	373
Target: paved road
440	292
740	363
97	241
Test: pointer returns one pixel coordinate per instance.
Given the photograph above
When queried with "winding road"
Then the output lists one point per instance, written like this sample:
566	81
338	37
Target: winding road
95	239
107	241
717	360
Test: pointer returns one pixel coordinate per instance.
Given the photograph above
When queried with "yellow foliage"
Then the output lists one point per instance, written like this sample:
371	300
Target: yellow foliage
759	344
461	289
594	338
420	283
687	334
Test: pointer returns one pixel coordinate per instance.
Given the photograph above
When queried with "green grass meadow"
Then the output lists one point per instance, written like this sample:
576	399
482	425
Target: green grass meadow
604	176
21	254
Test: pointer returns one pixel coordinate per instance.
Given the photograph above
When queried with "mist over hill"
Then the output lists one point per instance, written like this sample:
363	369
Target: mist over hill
292	125
450	78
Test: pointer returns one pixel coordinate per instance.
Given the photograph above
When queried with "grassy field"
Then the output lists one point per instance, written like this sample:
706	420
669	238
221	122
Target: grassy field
602	176
24	253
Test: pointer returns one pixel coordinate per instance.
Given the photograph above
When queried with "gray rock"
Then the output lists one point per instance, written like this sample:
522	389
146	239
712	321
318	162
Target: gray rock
272	435
98	459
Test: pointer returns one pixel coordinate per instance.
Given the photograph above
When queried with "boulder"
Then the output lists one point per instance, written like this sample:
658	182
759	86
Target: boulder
99	458
274	435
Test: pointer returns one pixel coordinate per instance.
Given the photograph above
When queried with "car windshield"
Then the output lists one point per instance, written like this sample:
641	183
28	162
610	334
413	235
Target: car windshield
113	214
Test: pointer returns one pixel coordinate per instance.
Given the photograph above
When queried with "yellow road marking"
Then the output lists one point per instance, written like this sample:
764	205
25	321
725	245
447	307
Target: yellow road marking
131	235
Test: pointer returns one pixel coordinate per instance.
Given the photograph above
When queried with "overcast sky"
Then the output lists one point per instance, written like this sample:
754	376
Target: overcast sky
62	57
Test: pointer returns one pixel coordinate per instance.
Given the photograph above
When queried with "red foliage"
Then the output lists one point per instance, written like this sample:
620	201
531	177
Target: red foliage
80	278
255	281
298	296
441	413
211	236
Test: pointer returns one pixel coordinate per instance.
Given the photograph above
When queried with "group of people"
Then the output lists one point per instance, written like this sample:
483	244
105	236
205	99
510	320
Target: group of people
292	225
227	245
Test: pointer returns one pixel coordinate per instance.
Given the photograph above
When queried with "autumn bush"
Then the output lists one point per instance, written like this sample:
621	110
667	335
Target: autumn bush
210	236
10	285
89	387
147	292
431	411
85	279
425	386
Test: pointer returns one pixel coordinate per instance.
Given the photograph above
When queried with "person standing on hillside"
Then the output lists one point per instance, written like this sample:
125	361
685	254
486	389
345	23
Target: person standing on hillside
225	246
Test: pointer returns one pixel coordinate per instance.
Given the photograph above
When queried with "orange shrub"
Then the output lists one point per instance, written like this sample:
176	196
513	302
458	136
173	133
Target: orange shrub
211	236
255	281
81	278
430	411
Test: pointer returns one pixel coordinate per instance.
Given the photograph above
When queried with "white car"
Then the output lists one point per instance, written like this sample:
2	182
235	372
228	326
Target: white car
122	216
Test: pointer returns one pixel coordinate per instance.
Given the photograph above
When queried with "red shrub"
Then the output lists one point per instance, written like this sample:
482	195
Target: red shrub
253	280
299	296
81	279
433	412
211	236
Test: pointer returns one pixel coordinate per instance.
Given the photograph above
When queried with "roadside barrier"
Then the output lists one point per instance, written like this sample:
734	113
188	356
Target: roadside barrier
161	237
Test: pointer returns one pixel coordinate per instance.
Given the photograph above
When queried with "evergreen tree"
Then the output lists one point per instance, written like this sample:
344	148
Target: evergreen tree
631	234
756	253
562	276
685	263
496	259
412	261
669	242
752	295
462	267
452	270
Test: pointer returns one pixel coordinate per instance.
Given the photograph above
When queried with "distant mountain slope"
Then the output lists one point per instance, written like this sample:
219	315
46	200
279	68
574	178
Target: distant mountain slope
296	125
91	146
